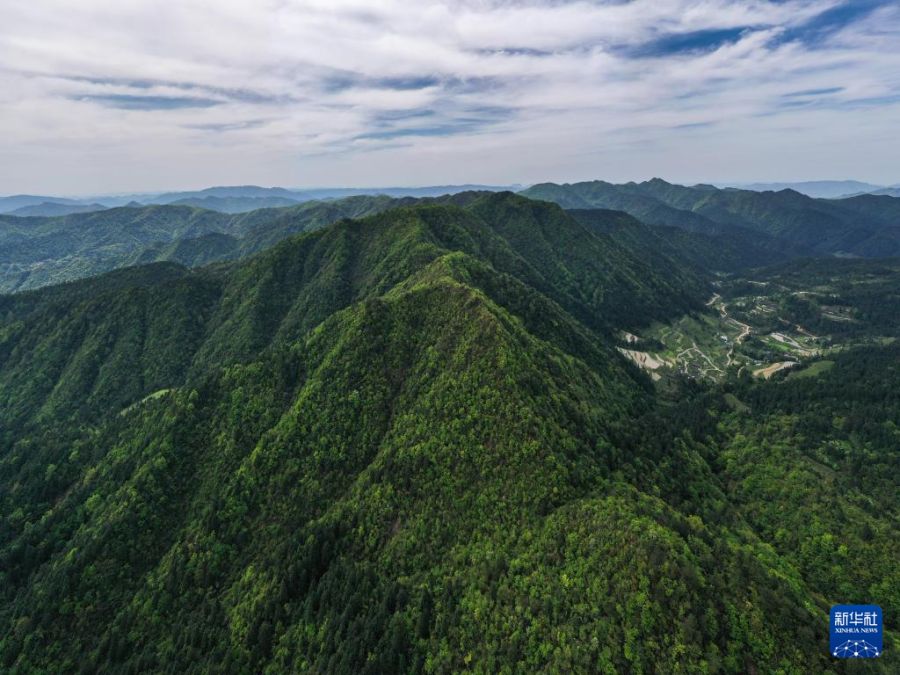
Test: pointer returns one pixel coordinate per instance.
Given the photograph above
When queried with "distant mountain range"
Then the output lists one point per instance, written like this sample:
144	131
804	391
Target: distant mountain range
49	209
827	189
711	228
784	223
16	202
245	198
36	252
226	199
889	192
235	204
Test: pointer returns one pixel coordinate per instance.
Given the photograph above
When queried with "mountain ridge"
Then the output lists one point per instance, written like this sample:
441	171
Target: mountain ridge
785	219
405	443
828	189
755	228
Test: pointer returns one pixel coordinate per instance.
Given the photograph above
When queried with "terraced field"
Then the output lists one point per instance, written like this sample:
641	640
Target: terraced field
768	325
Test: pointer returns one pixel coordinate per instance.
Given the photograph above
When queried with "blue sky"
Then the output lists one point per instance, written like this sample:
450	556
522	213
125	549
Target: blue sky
157	94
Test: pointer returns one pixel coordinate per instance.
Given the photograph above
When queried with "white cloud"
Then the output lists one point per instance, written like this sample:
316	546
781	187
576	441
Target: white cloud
142	94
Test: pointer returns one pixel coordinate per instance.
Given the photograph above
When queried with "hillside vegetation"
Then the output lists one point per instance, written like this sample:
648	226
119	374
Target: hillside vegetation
784	224
35	252
407	443
725	230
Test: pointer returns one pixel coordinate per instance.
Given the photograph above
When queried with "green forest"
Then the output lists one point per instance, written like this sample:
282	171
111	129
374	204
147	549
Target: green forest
400	436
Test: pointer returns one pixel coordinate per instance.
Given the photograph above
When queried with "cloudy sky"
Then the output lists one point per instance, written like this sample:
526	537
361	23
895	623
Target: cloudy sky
131	95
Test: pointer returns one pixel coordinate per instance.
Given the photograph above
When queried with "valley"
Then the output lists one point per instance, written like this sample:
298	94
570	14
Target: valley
752	325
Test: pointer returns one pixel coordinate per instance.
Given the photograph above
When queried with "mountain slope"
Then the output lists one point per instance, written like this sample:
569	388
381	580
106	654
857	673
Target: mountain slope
786	223
292	287
35	252
823	226
672	250
399	444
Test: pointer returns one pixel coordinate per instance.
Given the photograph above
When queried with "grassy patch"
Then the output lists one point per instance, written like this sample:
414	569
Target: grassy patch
813	370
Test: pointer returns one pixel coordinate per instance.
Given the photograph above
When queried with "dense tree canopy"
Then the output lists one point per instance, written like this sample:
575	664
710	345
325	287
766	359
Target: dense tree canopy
407	443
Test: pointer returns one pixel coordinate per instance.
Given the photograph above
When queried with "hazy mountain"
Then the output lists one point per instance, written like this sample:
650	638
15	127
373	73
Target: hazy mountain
888	192
246	193
224	192
828	189
14	202
50	209
235	204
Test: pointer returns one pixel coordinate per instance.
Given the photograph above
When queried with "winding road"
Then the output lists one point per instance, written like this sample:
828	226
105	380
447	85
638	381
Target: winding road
723	312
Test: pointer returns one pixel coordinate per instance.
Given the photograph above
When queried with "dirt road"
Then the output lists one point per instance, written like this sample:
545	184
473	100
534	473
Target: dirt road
745	329
769	371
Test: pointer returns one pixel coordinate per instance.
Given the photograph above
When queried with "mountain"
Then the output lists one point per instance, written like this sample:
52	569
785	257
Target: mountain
827	189
235	204
8	204
725	230
51	209
38	251
887	192
246	194
673	249
242	198
224	192
407	443
786	222
416	192
748	248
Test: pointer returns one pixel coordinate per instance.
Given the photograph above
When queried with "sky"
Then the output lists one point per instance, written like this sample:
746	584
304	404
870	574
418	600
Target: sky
143	95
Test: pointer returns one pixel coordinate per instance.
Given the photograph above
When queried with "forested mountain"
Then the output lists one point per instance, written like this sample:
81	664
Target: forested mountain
35	252
239	198
701	252
735	229
867	226
407	443
50	209
248	197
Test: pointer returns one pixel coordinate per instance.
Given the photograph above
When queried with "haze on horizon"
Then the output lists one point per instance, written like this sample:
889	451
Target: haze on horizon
143	96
